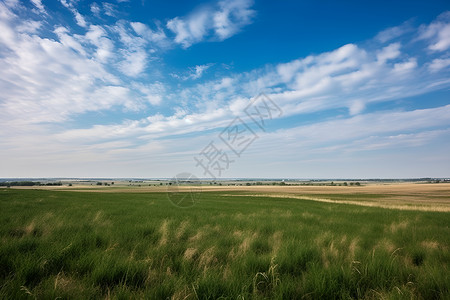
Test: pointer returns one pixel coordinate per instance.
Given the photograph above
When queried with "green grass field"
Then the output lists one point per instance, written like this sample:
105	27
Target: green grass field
81	245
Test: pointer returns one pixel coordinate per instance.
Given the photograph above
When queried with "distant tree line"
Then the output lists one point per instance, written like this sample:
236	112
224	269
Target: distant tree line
105	183
29	183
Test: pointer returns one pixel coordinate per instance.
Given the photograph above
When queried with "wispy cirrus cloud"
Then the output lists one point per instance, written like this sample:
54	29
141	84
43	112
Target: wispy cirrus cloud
394	32
81	21
194	72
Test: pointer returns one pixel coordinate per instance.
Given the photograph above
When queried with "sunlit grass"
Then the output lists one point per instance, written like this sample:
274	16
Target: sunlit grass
125	245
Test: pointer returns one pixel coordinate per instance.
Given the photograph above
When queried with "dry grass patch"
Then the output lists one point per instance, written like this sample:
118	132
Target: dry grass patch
181	229
396	226
322	239
387	245
30	228
275	242
352	248
198	236
430	244
308	215
281	213
245	245
207	258
184	293
329	254
246	241
164	230
67	284
238	233
189	253
101	220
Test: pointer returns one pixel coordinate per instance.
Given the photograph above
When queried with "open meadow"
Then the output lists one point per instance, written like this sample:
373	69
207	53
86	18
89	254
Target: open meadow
257	242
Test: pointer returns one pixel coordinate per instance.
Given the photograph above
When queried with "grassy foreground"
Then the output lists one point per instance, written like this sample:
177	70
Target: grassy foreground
82	245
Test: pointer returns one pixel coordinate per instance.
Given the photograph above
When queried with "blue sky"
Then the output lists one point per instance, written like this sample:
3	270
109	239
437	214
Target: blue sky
149	88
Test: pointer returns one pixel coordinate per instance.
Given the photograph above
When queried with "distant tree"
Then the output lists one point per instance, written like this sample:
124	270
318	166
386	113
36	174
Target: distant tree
70	184
357	183
112	183
99	183
345	183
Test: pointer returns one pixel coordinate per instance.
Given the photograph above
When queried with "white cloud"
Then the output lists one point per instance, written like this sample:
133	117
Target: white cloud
405	67
39	6
153	93
78	17
403	140
109	9
194	73
389	52
97	36
95	9
231	17
135	63
356	107
349	76
438	33
199	70
356	137
288	70
378	123
225	83
189	31
29	26
439	64
394	32
221	22
68	40
135	54
158	37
